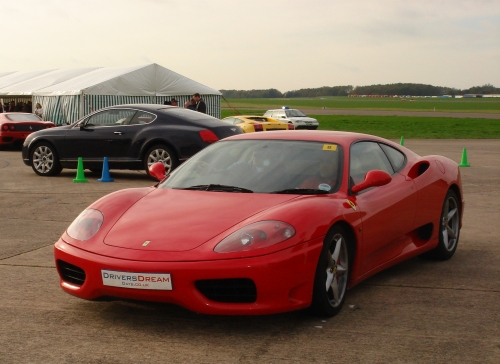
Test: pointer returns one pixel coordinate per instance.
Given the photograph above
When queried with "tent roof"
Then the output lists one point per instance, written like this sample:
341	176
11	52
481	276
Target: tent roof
143	80
19	76
30	85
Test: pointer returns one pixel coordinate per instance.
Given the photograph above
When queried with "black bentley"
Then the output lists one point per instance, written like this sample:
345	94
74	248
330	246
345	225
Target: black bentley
130	136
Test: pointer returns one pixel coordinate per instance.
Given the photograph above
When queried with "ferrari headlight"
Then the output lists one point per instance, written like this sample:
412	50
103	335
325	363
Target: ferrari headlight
86	225
258	235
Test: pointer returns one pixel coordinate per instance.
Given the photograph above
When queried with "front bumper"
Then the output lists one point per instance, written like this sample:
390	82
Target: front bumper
283	280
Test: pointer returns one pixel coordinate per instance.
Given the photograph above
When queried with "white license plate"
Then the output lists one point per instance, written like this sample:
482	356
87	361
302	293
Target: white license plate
155	281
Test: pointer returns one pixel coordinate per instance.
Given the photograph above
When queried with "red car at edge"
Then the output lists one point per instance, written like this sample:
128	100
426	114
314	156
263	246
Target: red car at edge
16	126
262	223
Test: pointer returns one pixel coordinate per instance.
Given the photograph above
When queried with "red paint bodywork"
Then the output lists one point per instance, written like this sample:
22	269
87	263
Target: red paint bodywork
13	134
184	227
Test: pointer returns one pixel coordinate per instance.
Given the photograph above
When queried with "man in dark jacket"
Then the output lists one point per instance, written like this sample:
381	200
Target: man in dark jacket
200	104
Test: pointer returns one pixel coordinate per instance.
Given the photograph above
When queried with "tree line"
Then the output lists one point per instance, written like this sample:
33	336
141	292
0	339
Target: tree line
410	89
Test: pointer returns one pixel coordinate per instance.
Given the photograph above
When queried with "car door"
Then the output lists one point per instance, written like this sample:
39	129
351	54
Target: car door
388	212
103	134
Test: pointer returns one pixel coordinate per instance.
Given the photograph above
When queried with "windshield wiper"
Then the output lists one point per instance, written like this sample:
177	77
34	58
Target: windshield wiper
302	191
215	187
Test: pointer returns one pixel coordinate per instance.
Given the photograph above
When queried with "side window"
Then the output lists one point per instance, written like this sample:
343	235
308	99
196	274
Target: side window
365	157
395	156
142	117
111	117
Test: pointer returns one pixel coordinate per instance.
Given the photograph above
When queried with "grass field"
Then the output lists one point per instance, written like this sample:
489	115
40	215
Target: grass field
396	126
483	105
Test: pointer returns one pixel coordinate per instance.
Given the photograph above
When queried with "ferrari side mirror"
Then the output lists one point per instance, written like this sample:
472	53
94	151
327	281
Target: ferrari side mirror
157	170
373	178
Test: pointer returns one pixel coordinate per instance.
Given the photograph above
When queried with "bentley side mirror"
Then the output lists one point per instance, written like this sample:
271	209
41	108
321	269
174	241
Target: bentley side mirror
373	178
157	170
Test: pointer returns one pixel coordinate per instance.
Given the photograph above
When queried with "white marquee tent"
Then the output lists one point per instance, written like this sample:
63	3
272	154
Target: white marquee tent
67	95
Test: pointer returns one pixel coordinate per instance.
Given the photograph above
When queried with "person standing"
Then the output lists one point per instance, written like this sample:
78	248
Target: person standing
191	105
200	104
39	110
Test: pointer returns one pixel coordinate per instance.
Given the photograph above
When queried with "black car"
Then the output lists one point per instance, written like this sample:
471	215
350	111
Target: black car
130	136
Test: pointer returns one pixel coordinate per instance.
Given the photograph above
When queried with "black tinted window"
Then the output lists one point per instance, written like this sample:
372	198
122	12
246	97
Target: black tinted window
142	117
395	156
365	157
111	117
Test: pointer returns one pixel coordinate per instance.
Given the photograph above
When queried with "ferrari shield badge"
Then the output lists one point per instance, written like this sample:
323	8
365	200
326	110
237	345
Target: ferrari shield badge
352	204
146	243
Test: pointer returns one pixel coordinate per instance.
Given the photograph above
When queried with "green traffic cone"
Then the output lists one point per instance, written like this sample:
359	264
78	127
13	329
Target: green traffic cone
80	175
464	162
402	141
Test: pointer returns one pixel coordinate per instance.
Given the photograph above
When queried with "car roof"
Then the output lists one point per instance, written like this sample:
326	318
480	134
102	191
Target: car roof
147	107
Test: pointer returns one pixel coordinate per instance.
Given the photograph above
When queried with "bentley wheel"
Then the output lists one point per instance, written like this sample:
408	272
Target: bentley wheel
449	229
332	274
44	160
163	154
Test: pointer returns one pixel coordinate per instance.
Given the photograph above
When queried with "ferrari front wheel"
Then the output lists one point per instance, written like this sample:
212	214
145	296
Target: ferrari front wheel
332	273
449	229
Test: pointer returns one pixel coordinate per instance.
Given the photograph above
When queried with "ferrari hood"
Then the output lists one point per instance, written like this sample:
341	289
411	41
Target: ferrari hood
180	220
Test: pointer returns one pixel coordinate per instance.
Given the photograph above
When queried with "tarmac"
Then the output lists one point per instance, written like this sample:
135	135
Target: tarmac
416	312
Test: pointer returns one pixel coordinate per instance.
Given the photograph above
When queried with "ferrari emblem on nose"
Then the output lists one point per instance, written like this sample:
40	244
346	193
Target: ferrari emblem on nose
146	243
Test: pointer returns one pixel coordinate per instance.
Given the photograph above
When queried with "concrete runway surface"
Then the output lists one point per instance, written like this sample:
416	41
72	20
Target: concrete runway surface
416	312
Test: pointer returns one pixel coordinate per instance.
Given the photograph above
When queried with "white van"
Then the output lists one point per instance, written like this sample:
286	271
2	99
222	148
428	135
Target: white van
294	116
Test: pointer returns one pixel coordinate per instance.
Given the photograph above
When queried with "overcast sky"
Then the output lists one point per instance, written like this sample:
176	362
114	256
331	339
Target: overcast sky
261	44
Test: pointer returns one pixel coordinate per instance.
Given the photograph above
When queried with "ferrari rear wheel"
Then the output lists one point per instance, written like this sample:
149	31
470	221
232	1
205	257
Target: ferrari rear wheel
163	154
449	229
44	160
332	273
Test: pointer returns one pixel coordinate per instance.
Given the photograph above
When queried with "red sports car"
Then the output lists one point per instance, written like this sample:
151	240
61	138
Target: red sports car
262	223
16	126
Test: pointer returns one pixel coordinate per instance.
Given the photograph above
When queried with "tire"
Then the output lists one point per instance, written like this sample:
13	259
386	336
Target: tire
449	229
160	153
44	160
332	273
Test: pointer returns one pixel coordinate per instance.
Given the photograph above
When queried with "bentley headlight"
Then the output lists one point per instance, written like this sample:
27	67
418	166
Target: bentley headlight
258	235
86	225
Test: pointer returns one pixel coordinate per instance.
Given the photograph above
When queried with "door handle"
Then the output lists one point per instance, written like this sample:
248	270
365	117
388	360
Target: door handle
118	132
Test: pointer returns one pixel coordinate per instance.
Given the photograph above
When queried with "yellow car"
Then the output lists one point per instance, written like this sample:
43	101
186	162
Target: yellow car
252	123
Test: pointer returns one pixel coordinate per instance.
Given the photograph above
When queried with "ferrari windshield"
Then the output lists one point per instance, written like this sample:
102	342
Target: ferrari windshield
262	166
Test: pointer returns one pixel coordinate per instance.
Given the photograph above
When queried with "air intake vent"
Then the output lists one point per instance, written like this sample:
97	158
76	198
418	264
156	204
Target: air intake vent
71	273
238	290
418	169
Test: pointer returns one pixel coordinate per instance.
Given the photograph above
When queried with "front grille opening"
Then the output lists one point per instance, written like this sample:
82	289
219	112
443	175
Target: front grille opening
235	290
71	273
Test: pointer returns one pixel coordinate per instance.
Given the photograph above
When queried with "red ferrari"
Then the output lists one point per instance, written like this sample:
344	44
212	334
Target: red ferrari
16	126
262	223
